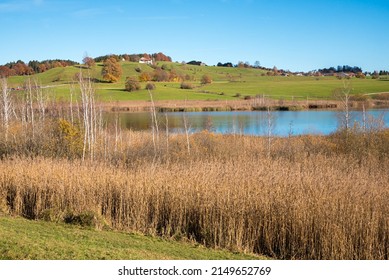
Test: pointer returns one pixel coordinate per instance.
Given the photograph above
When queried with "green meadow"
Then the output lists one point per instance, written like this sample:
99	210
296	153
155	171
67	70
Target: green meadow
37	240
227	84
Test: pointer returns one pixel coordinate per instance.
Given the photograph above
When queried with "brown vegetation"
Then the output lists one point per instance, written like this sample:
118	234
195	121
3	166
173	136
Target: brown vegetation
186	85
112	70
20	68
307	201
206	79
132	84
308	197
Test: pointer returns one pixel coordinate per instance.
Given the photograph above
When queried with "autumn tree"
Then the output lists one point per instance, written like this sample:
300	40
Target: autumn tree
89	61
174	77
21	68
42	67
146	56
161	57
240	64
145	77
111	70
6	72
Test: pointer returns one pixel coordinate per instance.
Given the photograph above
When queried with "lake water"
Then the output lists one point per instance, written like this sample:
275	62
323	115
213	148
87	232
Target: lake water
281	123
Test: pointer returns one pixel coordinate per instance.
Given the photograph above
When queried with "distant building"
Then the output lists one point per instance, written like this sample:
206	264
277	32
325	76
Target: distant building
345	75
145	60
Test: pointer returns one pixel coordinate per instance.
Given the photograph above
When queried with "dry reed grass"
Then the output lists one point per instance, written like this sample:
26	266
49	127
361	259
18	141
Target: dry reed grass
227	193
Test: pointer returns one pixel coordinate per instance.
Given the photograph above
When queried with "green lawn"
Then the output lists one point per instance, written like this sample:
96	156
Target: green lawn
26	239
228	83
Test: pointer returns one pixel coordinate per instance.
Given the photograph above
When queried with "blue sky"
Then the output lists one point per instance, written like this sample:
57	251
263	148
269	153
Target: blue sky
298	35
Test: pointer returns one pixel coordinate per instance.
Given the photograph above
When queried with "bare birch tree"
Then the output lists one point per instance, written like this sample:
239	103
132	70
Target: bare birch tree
343	95
30	118
89	115
269	130
187	129
72	91
167	133
6	105
41	98
154	121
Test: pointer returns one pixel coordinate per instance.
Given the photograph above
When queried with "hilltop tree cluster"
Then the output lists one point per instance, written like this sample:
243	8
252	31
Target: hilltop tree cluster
135	57
227	64
195	62
20	68
246	64
341	69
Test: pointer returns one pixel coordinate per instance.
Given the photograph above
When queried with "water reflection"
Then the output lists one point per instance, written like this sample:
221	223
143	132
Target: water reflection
281	123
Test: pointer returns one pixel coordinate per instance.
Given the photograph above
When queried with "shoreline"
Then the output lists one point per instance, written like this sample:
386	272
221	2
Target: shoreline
238	105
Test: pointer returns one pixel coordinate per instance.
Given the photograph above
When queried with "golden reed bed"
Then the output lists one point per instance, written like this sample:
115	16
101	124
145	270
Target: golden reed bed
310	198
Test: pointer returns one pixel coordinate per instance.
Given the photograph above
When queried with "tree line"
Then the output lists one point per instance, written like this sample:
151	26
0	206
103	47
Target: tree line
135	57
341	69
20	68
241	64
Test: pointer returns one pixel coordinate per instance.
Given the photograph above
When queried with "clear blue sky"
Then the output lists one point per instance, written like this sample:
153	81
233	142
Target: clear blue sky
298	35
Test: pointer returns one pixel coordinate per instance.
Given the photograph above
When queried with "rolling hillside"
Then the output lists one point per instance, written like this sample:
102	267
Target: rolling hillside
227	83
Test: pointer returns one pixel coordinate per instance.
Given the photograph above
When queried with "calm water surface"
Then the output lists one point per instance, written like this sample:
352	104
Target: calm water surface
282	123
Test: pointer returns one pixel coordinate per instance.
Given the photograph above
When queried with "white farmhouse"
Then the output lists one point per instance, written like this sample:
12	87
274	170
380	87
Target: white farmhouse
145	60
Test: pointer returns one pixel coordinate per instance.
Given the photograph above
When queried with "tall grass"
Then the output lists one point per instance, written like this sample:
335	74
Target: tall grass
312	207
308	197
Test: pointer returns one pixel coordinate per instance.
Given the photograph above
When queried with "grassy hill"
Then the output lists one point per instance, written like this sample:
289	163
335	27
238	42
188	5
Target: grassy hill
26	239
228	84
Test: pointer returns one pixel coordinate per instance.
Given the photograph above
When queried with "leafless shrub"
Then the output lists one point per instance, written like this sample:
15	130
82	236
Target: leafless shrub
186	85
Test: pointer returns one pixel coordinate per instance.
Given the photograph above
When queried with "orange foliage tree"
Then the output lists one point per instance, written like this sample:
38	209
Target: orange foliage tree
111	70
145	77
